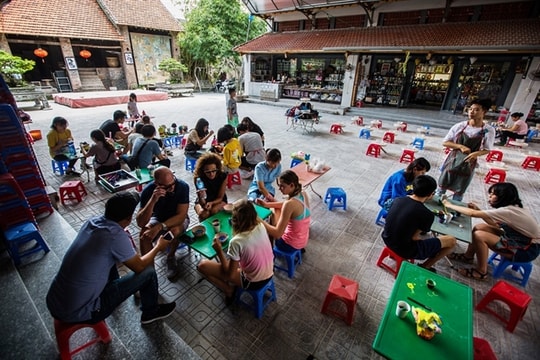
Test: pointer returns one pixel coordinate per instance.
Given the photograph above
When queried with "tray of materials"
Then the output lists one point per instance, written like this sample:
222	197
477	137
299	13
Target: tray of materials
118	180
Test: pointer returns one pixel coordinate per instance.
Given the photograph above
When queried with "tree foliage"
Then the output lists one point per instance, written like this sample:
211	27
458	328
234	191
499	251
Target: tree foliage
212	29
12	67
175	68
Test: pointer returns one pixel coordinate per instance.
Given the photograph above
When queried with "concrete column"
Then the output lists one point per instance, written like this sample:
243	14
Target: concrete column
4	45
348	80
527	90
129	69
67	50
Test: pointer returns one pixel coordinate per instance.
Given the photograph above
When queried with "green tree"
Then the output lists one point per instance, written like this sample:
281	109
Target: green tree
12	67
212	29
175	68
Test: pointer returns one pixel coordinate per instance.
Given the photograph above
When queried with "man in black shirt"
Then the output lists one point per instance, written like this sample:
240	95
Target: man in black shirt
408	221
111	128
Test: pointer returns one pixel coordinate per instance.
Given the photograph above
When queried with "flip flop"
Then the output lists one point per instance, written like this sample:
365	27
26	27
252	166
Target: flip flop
460	257
470	273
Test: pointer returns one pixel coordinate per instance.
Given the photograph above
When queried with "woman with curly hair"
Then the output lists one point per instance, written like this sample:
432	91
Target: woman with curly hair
509	230
210	201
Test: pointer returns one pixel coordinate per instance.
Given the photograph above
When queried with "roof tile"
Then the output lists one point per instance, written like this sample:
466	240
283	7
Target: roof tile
151	14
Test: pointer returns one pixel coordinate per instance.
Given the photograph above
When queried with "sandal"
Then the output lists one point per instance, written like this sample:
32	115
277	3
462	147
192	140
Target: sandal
470	273
460	257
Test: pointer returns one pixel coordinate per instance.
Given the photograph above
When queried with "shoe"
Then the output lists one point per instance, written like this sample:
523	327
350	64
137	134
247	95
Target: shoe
172	268
460	257
473	274
72	173
162	312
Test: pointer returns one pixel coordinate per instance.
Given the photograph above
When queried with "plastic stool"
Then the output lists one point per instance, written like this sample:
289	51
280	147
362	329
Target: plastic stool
345	290
388	253
531	162
482	350
168	141
407	156
336	194
389	137
358	120
59	166
374	150
517	300
495	176
234	179
402	126
259	304
500	263
376	124
494	155
72	190
365	133
336	129
380	217
295	161
293	259
418	143
63	332
18	235
190	163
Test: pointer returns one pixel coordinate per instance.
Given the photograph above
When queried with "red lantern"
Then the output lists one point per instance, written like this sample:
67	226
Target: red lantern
85	54
41	53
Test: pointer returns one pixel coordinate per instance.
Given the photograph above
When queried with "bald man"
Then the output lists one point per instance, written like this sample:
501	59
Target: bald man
164	207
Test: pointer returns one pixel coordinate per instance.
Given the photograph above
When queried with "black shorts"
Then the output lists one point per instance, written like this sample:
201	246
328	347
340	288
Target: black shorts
249	285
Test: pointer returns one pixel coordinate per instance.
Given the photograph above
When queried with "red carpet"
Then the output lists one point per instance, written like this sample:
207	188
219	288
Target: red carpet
101	98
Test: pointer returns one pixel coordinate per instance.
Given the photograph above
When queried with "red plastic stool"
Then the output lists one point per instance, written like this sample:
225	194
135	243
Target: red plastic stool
388	253
531	162
407	156
494	155
376	124
388	137
447	150
336	129
64	331
402	127
72	190
358	120
374	150
517	300
495	176
234	179
345	290
482	350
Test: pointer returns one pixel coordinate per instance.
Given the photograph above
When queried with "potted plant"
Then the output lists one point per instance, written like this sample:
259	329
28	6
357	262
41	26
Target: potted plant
12	67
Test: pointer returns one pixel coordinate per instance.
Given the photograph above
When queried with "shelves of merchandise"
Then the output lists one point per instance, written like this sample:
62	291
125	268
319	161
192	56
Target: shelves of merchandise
318	80
385	83
480	80
430	83
260	70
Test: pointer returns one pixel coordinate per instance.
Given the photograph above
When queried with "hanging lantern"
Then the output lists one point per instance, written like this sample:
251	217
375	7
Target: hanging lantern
85	54
41	53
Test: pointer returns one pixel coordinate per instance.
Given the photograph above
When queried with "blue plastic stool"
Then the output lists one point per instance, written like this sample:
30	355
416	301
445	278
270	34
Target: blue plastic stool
365	133
334	194
190	163
295	162
381	217
168	141
259	304
178	140
293	259
20	234
500	263
418	143
59	166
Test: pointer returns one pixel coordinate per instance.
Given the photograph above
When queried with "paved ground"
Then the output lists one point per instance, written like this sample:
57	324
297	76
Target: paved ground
341	242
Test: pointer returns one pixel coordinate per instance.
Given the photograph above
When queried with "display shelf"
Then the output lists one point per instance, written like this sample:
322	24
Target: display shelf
384	90
314	94
430	84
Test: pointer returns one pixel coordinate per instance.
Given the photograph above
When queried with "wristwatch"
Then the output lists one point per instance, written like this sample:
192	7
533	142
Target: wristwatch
164	227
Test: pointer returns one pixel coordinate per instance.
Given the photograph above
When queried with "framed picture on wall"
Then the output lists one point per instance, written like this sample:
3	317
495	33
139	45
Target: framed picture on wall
71	64
129	58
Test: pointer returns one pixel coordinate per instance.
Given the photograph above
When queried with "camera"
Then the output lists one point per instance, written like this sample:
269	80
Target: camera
168	236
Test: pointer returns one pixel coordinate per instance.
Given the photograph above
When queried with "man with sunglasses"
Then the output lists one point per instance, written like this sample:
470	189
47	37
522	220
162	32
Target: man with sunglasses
164	207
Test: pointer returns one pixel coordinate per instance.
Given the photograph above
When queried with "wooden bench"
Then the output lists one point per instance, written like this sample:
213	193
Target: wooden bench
31	94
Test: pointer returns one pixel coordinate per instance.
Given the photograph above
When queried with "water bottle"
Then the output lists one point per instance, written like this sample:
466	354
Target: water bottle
71	148
201	189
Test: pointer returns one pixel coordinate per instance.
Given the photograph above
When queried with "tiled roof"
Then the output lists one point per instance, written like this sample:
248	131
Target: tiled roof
512	35
151	14
58	18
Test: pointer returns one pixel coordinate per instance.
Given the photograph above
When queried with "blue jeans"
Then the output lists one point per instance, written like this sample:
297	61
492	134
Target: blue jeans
119	289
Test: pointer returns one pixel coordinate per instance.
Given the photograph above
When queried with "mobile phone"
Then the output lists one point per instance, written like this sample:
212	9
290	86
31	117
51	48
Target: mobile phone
168	236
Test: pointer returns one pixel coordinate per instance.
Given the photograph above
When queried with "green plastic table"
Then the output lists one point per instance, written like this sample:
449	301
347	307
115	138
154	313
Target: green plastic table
203	244
459	227
397	339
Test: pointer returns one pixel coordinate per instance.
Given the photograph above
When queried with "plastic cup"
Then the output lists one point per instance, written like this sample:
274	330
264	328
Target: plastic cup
402	309
430	283
216	225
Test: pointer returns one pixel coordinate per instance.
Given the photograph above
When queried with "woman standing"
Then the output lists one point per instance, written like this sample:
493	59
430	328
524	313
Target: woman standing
58	139
292	227
509	230
197	138
104	154
209	170
251	261
467	140
518	130
133	110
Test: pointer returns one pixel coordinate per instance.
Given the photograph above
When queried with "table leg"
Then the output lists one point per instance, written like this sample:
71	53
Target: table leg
316	193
